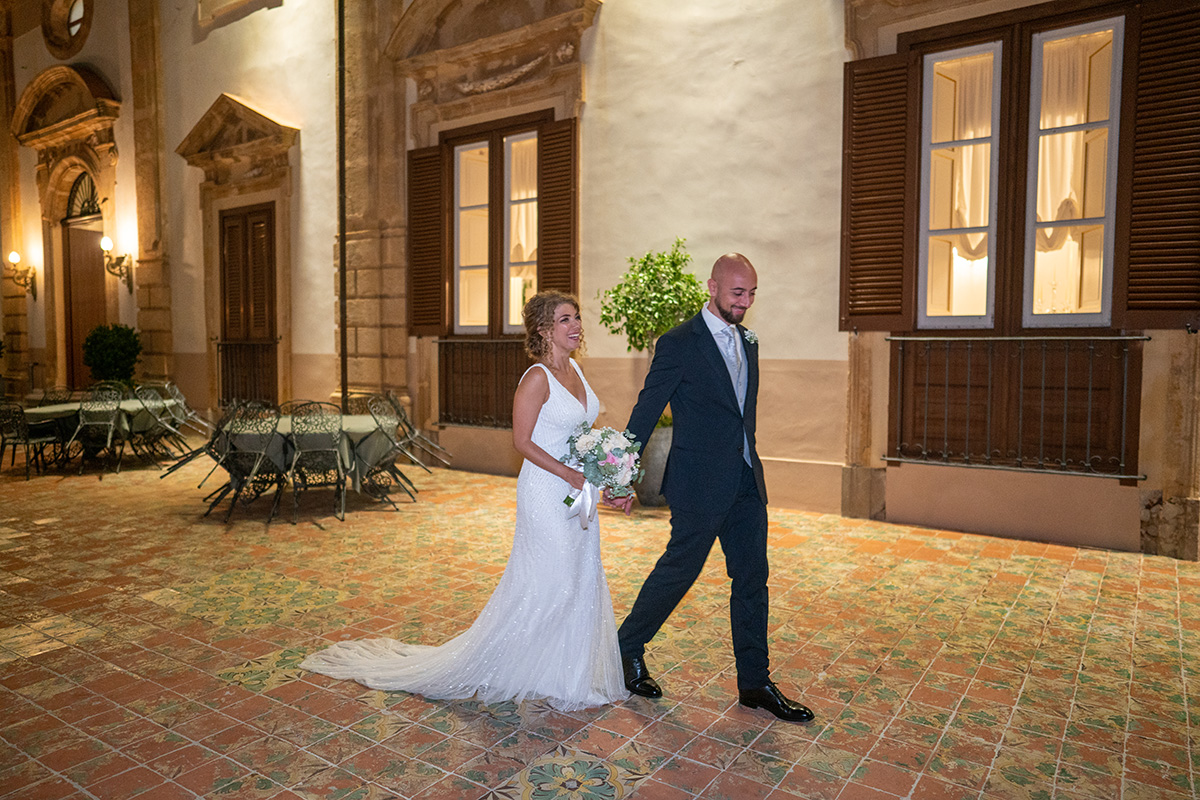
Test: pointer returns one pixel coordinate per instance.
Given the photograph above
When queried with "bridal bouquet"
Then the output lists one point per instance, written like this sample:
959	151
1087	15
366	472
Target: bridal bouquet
609	460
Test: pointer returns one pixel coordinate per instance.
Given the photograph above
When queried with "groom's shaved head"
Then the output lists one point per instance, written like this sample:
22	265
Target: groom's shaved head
731	287
729	263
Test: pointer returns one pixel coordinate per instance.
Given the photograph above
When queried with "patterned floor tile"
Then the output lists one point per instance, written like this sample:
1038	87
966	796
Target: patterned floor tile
162	648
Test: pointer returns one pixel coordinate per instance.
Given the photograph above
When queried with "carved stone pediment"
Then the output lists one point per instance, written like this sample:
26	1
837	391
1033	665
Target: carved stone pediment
65	105
457	49
233	141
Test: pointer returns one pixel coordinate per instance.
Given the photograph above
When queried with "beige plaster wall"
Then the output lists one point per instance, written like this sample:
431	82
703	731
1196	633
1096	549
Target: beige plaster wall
280	60
801	412
723	127
1091	512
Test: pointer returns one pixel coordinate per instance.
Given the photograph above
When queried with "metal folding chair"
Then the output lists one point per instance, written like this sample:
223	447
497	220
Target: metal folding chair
385	473
190	418
15	432
99	418
247	460
316	454
412	436
55	395
160	439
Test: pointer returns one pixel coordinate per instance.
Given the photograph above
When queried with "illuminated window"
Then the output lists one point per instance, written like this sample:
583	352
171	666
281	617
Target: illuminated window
1069	209
473	205
958	156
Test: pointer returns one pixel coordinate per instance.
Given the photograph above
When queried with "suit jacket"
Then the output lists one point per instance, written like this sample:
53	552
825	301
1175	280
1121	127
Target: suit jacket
704	466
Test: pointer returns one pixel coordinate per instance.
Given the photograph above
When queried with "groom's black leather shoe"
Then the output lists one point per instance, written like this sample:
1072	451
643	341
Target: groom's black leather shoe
771	699
637	677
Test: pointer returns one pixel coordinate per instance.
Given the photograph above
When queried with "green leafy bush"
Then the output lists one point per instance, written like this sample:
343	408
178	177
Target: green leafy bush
111	352
654	295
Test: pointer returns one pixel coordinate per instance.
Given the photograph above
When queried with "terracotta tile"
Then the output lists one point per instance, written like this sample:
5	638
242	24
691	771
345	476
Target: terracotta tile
683	773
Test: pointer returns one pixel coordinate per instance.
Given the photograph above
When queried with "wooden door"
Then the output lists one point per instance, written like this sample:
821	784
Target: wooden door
249	342
84	296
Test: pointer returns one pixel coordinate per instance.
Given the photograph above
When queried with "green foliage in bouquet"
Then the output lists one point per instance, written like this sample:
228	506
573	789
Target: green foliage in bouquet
609	458
111	352
654	295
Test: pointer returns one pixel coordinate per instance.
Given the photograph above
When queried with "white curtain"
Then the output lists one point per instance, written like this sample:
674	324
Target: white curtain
973	119
523	186
1064	102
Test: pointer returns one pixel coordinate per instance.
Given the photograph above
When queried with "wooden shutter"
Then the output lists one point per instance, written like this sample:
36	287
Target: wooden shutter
233	267
427	216
1163	284
878	203
260	274
558	225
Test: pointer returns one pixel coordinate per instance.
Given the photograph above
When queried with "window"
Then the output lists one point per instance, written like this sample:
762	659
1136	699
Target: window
65	26
473	212
1020	191
1075	97
959	161
1080	220
492	219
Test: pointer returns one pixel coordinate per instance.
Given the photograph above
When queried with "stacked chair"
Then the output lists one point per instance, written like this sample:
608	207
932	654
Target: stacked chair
386	474
160	438
246	457
413	438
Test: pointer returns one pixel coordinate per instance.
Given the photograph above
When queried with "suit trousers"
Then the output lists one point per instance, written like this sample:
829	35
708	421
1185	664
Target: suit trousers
743	534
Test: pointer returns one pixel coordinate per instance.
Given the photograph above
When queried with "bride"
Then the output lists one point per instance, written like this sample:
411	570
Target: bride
548	630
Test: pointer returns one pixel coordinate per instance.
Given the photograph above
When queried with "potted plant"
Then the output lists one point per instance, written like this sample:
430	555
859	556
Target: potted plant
111	352
654	295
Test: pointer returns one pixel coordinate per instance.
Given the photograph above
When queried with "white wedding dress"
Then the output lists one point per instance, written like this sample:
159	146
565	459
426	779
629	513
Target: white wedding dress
548	630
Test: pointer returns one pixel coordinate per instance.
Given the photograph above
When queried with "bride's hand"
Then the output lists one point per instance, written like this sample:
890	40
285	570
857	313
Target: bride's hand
575	479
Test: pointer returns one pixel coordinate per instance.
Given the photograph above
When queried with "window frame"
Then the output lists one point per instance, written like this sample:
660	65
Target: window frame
494	134
1102	318
986	321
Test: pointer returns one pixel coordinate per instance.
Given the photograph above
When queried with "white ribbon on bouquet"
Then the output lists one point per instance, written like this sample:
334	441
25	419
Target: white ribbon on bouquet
582	503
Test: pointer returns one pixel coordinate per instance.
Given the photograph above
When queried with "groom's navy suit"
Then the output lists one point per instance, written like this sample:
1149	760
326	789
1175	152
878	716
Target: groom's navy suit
715	489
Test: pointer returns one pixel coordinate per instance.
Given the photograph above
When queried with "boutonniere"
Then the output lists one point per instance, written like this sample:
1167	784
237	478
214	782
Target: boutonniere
751	336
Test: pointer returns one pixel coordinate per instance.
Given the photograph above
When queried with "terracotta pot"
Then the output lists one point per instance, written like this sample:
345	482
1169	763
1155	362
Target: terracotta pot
654	462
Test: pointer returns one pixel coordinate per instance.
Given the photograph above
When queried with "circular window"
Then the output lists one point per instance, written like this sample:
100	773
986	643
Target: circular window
65	26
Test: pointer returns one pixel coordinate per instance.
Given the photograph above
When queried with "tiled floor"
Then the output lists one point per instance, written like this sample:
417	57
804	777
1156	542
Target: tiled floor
147	651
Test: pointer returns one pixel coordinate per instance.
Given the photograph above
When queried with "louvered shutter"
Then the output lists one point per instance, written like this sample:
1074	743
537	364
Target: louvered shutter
878	204
235	326
427	215
1163	283
558	240
260	275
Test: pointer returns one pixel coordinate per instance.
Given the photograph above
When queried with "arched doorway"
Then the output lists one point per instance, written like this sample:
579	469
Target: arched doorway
84	297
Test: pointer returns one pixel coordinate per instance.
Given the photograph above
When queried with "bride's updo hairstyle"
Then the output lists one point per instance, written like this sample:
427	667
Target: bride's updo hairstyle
539	316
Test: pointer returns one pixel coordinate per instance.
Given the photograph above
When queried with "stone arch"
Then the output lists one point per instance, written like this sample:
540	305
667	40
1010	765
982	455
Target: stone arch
66	115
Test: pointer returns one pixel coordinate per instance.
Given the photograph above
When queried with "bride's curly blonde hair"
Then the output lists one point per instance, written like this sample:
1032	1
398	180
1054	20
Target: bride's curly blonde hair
539	316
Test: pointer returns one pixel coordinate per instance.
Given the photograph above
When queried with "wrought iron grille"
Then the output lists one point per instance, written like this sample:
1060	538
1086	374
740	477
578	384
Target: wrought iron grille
477	379
248	371
1036	404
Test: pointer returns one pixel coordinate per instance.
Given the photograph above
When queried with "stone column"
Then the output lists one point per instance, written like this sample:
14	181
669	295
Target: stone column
1171	515
152	273
14	363
863	476
377	325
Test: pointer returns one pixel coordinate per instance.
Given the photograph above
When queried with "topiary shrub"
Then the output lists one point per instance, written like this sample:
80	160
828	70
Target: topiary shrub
111	352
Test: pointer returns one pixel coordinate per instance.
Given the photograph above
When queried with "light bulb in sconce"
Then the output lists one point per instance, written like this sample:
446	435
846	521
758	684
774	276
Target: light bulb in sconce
25	277
120	267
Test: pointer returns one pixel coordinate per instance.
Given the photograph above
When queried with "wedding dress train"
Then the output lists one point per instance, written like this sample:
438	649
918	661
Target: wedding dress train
548	630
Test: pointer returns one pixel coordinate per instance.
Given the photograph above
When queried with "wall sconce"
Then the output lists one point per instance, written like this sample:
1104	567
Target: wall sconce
25	277
120	267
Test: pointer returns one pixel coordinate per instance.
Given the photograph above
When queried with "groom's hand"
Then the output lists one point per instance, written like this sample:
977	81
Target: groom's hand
624	503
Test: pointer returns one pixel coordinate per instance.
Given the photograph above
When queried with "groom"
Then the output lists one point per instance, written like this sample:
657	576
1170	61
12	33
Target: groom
707	369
